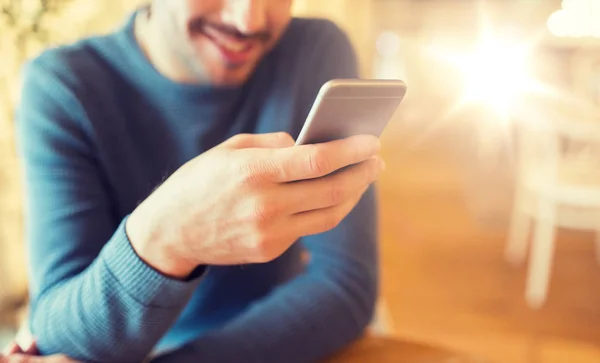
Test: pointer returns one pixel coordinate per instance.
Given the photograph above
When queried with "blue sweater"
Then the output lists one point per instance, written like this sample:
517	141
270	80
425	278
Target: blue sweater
99	128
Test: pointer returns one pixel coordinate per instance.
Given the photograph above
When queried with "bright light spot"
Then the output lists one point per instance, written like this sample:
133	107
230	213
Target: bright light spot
388	44
496	74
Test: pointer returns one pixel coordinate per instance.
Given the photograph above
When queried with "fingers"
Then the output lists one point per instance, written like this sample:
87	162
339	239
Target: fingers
316	160
14	354
12	348
323	220
333	189
31	348
273	140
24	358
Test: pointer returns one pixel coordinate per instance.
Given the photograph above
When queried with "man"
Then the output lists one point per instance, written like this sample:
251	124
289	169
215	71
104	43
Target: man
168	208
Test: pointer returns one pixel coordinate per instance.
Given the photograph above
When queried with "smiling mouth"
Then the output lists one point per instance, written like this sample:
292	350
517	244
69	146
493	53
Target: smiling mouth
235	50
232	44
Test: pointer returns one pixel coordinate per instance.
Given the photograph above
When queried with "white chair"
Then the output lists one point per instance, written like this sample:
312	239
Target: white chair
557	185
382	324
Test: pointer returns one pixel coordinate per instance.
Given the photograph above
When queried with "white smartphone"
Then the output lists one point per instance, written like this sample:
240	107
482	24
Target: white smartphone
348	107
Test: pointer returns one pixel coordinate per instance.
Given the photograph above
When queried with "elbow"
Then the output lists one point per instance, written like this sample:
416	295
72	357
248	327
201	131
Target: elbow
81	350
54	337
49	340
45	338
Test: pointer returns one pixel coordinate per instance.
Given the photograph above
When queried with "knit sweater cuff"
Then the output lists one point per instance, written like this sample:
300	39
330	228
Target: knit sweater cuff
143	283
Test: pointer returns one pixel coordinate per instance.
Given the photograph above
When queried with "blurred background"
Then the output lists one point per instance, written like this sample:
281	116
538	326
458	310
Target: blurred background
490	203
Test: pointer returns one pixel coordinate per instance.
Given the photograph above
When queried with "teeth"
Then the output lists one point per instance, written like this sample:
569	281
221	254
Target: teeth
232	46
229	43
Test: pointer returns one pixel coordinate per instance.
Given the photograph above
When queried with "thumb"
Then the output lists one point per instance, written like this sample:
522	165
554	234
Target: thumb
274	140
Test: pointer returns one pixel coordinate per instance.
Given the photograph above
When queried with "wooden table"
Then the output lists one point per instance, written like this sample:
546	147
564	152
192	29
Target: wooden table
389	350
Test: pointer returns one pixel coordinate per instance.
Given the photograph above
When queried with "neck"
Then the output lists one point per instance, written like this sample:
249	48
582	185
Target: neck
156	49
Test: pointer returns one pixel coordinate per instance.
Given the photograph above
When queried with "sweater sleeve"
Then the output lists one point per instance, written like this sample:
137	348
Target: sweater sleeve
312	316
92	297
332	302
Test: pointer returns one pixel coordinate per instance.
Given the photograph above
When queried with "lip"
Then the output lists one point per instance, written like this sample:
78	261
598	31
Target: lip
231	57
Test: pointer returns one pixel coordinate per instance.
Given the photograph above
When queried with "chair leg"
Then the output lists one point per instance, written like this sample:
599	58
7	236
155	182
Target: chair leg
516	248
382	323
541	254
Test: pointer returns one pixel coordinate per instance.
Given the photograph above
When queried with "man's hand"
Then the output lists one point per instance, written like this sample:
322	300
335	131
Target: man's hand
26	358
248	199
15	354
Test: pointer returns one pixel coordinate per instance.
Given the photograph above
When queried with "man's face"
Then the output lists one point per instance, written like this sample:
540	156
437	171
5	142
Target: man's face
220	41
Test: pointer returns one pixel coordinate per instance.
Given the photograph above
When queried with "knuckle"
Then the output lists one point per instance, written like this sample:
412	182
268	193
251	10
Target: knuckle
285	138
263	211
250	172
336	192
258	170
281	168
245	174
318	161
238	139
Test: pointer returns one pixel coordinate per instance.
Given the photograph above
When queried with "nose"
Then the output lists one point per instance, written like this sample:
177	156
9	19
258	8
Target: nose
248	16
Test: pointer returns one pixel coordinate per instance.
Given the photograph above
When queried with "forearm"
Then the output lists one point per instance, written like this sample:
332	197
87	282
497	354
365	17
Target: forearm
314	315
305	321
115	310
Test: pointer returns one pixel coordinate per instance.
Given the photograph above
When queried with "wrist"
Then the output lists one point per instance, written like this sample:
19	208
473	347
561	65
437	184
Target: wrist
151	243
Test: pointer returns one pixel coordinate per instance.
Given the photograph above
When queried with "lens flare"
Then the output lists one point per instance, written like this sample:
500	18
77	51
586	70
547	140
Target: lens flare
496	74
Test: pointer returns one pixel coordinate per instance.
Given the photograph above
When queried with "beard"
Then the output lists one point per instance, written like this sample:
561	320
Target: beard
174	37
